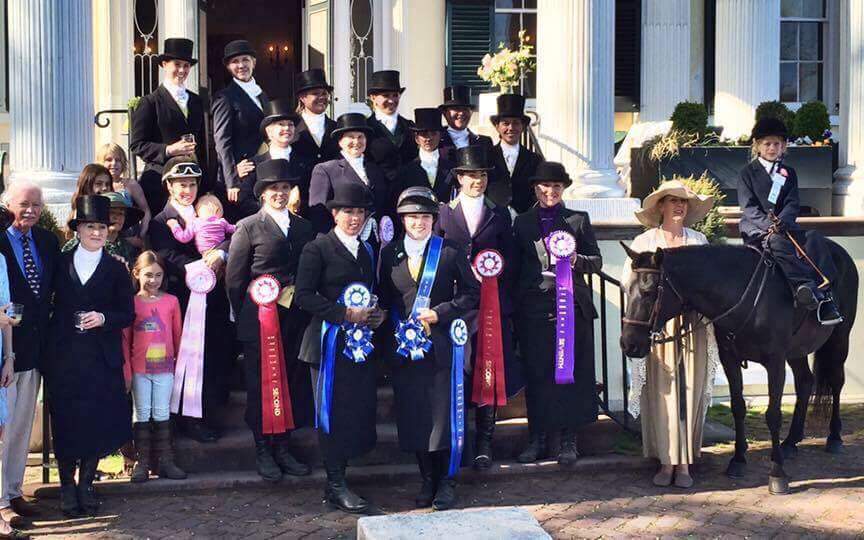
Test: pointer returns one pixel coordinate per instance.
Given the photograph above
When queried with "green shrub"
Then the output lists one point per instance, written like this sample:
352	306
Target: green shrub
776	109
48	222
713	226
812	120
690	118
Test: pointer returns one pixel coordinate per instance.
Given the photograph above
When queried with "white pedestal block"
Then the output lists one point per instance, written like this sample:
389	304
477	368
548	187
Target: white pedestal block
477	524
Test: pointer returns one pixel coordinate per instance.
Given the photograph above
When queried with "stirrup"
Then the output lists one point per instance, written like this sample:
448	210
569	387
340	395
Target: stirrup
831	322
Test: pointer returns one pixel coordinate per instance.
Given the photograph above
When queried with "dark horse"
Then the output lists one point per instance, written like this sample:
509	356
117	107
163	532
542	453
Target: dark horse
755	319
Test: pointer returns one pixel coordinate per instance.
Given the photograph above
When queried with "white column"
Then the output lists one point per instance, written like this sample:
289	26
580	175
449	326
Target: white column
665	81
849	184
341	76
747	60
575	86
179	19
51	94
422	69
113	64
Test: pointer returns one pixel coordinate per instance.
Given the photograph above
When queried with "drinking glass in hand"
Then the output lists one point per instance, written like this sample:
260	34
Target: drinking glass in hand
79	321
189	137
15	312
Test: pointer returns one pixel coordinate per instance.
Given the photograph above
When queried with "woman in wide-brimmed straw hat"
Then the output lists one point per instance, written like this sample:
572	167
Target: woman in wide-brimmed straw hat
673	438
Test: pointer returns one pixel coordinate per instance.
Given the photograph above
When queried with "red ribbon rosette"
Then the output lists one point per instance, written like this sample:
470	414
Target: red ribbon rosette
276	414
488	384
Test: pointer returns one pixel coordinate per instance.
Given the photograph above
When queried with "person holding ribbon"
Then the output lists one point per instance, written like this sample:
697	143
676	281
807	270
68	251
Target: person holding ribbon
93	303
262	266
555	248
483	229
427	284
336	285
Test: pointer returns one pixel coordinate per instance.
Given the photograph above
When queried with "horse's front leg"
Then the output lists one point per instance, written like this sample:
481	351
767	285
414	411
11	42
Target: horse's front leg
803	389
738	464
778	482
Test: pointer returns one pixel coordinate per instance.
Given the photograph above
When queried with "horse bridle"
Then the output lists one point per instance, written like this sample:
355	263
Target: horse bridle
654	323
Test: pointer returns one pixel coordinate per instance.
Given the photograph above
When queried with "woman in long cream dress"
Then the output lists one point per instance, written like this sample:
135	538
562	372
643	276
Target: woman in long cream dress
668	434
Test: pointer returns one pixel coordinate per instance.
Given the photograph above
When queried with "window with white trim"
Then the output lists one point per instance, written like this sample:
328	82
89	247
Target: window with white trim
803	27
512	16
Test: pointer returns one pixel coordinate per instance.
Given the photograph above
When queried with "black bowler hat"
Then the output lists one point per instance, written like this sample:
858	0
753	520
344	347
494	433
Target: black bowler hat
309	79
275	110
427	119
237	48
91	209
550	171
456	96
472	158
272	172
351	122
510	106
178	49
384	81
417	200
350	195
769	126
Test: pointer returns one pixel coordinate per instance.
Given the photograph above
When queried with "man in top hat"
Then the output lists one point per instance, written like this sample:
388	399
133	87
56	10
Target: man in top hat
514	165
390	144
315	129
169	122
457	110
278	128
237	113
431	168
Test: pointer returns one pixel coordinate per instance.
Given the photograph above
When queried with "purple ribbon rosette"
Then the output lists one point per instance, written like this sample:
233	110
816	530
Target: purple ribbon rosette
561	246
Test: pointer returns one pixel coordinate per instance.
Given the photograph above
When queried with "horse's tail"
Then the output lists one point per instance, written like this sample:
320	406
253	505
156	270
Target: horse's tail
822	398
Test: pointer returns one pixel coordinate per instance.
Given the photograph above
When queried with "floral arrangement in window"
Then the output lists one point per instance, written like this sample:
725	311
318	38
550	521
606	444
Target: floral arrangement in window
505	68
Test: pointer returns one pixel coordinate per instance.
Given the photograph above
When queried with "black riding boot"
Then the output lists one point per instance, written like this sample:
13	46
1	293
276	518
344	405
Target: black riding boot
536	449
165	450
68	494
141	436
569	454
267	467
337	492
485	421
445	495
285	460
86	476
429	473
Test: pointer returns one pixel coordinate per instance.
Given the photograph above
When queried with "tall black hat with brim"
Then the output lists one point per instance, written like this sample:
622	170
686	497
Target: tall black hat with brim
456	96
178	49
384	81
275	110
510	106
351	122
132	215
350	195
417	200
309	79
551	171
272	172
427	119
472	158
91	209
768	126
236	48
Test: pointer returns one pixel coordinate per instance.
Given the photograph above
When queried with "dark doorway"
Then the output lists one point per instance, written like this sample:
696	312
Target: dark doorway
273	27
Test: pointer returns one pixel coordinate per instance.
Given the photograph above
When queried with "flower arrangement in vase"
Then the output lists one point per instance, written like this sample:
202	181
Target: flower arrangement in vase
506	67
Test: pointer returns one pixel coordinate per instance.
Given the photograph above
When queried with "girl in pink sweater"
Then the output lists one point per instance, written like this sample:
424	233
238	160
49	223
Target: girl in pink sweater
150	347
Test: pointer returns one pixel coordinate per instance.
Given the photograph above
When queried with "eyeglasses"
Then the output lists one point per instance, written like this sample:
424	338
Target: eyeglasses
187	168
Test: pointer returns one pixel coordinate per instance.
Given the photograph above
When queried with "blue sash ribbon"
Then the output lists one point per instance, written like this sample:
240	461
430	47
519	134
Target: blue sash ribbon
459	337
411	339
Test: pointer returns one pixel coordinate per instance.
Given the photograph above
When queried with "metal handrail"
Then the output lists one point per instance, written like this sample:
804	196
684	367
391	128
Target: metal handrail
103	120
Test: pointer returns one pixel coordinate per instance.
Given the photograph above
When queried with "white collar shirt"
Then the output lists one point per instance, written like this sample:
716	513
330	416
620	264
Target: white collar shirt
459	137
281	217
511	155
356	163
252	90
389	120
179	93
472	209
85	263
351	243
315	123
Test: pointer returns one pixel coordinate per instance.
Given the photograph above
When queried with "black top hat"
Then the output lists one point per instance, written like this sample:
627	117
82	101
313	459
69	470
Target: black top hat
427	119
472	158
309	79
89	209
550	171
384	81
236	48
275	110
456	96
351	122
510	106
417	200
178	49
6	217
272	172
768	126
350	195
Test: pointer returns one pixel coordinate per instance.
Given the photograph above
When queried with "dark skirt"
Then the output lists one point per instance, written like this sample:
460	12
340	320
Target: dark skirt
557	406
219	351
90	414
353	410
422	394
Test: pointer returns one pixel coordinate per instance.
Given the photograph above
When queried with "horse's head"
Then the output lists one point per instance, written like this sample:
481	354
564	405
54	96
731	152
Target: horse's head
651	301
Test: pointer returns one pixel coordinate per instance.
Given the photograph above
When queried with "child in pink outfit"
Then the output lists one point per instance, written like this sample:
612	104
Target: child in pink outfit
209	229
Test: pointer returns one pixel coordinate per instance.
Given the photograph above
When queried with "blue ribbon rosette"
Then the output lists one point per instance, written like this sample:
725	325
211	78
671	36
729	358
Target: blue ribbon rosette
411	339
459	337
358	338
